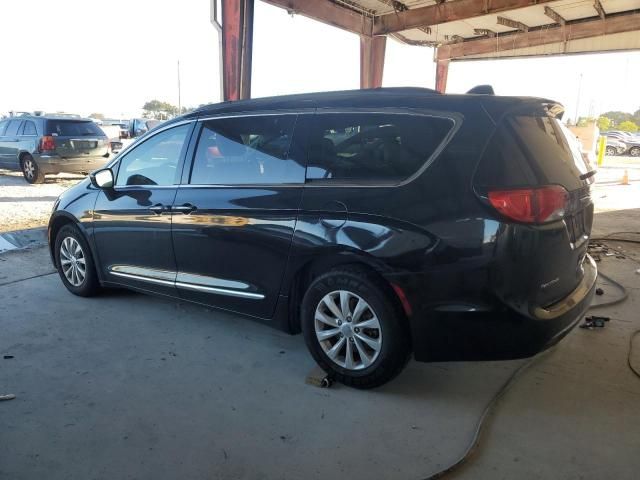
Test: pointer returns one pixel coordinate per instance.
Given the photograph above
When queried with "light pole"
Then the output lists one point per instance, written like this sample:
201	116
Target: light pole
578	98
179	99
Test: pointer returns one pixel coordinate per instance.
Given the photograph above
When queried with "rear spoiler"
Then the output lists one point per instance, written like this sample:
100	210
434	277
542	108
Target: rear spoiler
482	90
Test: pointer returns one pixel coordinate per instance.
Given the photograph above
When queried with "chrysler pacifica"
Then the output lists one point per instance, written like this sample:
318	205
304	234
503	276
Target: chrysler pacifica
381	224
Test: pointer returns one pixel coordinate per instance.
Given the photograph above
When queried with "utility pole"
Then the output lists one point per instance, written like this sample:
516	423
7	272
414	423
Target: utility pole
578	98
179	100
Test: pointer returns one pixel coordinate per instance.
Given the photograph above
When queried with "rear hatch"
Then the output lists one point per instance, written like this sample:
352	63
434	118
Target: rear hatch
77	138
533	176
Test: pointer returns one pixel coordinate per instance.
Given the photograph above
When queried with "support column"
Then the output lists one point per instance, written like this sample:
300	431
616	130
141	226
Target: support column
442	70
237	46
372	51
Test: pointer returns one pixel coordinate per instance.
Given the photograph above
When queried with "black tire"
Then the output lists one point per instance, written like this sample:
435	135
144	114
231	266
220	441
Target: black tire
611	151
90	285
634	151
395	348
30	170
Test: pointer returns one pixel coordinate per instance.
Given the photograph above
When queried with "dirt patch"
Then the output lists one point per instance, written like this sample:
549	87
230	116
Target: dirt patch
26	206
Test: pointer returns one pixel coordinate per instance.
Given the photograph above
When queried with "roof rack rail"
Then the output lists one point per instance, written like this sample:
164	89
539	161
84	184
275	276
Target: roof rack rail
482	90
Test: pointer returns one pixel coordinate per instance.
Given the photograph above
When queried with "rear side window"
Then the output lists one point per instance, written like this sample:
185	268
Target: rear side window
245	151
12	128
28	128
529	151
73	128
372	147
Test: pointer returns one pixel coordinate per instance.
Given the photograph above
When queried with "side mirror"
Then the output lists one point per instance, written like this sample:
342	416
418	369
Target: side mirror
102	178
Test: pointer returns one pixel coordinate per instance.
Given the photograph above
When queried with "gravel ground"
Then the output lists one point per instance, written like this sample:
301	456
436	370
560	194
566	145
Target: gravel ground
27	206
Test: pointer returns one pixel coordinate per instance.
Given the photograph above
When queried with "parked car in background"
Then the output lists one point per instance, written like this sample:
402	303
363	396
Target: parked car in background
615	147
140	126
50	144
135	127
631	142
379	223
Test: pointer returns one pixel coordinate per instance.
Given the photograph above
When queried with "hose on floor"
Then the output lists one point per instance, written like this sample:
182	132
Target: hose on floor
490	407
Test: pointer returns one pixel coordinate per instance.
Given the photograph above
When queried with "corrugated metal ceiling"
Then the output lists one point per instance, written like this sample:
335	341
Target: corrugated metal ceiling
531	16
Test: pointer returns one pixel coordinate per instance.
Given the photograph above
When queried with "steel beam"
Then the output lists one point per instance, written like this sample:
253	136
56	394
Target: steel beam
372	50
330	13
600	9
507	22
555	16
237	46
442	71
443	12
573	30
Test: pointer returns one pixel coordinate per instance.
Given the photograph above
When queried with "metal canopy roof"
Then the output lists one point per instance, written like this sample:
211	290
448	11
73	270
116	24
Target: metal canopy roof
467	29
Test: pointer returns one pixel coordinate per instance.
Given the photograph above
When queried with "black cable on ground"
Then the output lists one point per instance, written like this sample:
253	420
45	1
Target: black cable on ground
480	425
631	367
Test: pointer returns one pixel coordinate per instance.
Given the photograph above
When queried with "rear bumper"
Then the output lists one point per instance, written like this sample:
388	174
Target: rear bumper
56	164
483	331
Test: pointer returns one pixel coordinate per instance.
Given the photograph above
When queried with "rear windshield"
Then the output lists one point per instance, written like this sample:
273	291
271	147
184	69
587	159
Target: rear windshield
531	150
73	128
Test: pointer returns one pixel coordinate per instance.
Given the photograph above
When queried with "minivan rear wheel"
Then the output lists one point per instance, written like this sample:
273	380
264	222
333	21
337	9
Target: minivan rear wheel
353	329
30	170
75	263
635	151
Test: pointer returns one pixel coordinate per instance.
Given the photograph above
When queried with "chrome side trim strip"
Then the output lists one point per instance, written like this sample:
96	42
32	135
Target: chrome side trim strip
144	279
143	272
195	279
220	291
188	281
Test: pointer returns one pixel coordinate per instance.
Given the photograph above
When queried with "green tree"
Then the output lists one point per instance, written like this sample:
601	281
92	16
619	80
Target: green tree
604	123
158	109
628	126
617	117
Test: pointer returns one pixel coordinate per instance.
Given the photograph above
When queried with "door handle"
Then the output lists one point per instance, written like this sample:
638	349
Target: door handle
186	208
158	209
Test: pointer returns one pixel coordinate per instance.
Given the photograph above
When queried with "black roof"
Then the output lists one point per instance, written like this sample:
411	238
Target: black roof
398	97
354	98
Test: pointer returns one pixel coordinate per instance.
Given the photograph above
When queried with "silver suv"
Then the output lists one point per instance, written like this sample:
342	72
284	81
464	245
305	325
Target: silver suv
40	145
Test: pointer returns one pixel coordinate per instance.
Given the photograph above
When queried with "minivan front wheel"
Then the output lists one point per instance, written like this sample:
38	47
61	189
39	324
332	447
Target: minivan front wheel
30	170
353	329
74	262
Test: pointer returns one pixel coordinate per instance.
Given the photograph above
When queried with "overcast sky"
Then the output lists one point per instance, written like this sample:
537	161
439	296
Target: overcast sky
112	56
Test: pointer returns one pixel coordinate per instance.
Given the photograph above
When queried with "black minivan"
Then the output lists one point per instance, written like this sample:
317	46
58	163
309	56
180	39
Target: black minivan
379	223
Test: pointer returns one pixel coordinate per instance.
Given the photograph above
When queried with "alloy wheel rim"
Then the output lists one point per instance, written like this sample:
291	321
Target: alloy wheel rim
29	168
348	330
72	261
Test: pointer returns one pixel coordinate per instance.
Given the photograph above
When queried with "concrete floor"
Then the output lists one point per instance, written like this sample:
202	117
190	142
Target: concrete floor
130	386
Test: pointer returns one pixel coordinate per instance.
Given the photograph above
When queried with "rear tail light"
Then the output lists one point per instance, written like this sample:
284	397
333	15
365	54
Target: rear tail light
47	143
531	205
